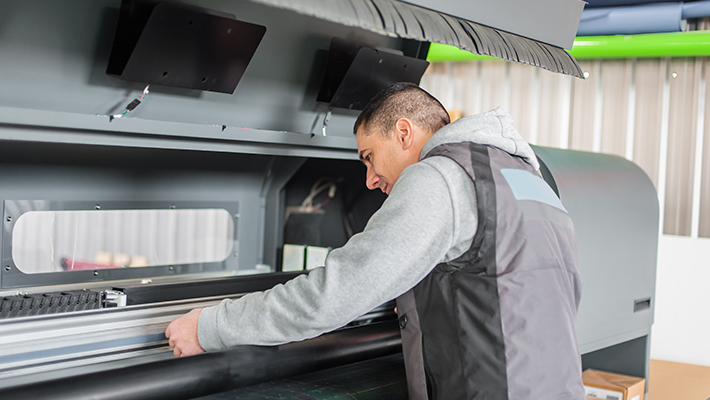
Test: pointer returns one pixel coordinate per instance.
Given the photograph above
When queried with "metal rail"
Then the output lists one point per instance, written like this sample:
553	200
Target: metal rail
208	373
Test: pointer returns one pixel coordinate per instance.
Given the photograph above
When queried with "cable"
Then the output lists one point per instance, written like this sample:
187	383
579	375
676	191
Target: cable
318	187
327	119
132	105
321	185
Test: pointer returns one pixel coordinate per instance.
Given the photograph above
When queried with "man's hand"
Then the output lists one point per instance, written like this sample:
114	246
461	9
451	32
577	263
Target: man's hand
182	334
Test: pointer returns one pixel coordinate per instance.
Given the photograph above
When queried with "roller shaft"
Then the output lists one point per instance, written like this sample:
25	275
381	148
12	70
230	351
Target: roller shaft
208	373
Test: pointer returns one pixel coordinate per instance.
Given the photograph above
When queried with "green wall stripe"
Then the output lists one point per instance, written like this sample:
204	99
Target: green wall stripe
680	44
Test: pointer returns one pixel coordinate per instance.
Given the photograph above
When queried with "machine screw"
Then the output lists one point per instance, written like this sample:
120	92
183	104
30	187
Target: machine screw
171	268
98	207
9	218
96	273
173	206
7	268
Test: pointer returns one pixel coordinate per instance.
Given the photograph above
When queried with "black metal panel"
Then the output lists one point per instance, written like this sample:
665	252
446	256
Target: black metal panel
416	49
208	373
155	293
182	46
340	56
355	73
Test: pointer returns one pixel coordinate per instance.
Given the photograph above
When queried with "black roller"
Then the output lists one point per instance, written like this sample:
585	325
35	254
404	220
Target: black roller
208	373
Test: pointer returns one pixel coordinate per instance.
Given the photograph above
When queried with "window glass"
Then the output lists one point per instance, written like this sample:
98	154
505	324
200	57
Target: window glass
54	241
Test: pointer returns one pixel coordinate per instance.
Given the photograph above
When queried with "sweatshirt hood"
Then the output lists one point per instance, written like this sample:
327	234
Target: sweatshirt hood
492	128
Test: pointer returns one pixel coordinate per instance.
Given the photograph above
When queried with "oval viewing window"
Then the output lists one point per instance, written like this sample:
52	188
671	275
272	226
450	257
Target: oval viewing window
54	241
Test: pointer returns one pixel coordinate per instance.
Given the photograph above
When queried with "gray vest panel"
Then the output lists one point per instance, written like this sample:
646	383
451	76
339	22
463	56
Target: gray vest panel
499	321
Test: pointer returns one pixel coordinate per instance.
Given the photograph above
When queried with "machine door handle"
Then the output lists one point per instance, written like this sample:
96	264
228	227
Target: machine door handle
642	304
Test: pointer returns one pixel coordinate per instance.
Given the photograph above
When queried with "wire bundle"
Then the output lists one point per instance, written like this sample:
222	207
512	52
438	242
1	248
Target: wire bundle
321	185
132	105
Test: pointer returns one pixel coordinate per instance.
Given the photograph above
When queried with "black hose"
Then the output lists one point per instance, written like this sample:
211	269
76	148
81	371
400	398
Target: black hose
209	373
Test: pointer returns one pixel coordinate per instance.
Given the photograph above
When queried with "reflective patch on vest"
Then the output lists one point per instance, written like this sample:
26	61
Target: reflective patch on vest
527	186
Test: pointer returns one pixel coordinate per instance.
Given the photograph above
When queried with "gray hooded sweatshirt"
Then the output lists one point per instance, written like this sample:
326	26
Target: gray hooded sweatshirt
428	218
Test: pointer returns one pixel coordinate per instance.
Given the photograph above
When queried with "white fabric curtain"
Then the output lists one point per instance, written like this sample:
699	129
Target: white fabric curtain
651	111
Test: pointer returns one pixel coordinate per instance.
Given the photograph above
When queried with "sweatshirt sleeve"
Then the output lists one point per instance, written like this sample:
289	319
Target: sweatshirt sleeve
401	244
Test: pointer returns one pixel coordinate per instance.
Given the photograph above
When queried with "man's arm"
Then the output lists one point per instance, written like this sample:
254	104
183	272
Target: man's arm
402	242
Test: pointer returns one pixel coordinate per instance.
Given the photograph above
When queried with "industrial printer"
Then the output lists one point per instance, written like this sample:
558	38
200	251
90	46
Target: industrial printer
159	156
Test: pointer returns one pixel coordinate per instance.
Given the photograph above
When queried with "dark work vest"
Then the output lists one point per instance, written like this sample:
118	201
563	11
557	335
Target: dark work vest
499	321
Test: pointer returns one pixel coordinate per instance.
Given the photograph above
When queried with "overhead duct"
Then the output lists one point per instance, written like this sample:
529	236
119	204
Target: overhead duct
640	19
399	19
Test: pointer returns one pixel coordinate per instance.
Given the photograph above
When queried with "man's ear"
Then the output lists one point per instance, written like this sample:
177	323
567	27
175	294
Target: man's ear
404	131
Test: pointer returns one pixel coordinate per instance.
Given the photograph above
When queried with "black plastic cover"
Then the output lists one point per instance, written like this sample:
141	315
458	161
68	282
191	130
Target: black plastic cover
355	73
155	293
178	45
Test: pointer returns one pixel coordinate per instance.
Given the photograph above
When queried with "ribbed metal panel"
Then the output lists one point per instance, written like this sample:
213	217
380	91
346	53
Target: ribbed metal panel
398	19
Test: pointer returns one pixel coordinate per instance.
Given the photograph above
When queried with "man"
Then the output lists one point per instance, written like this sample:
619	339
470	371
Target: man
476	247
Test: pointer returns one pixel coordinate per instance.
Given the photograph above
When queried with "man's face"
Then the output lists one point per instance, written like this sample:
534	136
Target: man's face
384	158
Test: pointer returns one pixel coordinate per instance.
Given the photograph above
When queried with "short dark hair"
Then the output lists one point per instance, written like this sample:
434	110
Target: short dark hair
402	100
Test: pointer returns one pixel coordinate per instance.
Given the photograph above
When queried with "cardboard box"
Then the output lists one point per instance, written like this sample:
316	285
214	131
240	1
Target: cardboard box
610	386
674	380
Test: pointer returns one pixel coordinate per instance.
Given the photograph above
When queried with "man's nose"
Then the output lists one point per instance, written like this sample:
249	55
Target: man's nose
372	181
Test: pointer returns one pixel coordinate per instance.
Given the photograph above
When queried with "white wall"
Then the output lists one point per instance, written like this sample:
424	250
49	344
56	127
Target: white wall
681	331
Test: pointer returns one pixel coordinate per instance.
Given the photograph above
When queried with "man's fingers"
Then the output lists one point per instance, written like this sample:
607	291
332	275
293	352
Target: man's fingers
182	334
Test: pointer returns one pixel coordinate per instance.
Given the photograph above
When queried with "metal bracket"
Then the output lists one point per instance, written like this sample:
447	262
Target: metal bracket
114	298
